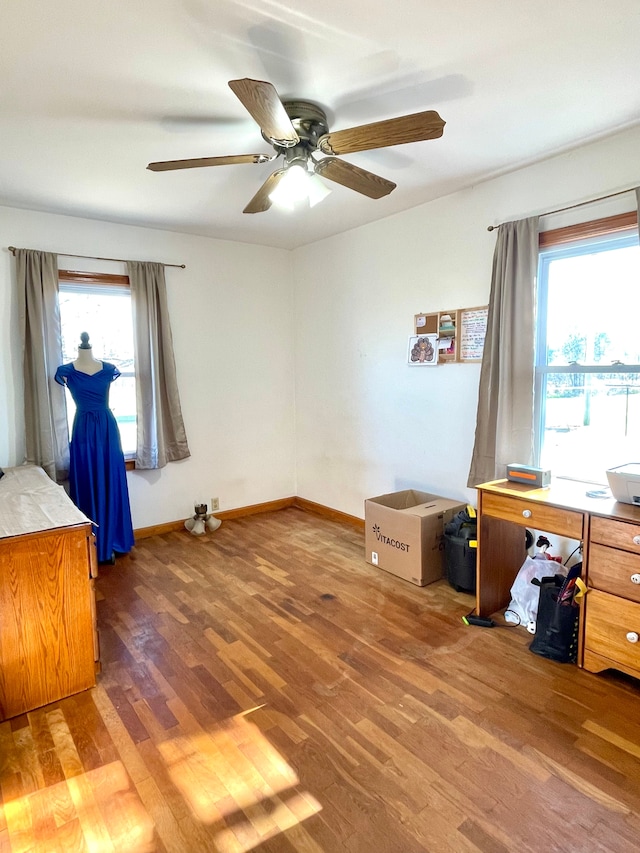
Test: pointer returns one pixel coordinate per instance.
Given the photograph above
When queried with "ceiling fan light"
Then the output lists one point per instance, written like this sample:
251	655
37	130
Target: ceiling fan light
291	188
281	200
298	187
317	190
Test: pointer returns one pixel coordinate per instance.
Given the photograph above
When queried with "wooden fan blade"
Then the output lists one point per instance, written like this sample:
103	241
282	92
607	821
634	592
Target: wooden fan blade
167	165
394	131
261	201
261	100
354	177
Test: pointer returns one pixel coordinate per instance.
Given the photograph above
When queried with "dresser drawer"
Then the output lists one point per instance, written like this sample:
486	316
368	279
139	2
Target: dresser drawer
608	624
614	571
549	519
617	534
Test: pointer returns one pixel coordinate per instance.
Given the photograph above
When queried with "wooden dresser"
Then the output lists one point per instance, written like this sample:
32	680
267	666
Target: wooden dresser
48	636
610	535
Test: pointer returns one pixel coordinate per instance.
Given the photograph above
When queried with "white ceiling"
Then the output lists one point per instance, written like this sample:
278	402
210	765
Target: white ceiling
93	90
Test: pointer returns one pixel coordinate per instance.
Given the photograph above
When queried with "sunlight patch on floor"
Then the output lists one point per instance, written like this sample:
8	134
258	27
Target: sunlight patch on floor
237	783
98	811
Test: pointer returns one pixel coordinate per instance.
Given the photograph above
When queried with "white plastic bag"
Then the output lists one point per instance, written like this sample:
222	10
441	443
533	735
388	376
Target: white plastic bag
523	609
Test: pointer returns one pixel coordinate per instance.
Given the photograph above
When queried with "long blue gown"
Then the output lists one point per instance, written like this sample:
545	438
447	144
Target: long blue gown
97	474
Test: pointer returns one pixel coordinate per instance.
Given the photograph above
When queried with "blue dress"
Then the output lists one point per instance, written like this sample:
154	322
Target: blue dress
97	474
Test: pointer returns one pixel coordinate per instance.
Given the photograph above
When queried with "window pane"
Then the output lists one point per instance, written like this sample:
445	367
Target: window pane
592	422
589	299
122	402
593	302
105	313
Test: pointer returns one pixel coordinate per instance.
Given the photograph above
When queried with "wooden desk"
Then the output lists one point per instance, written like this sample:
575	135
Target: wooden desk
607	529
48	637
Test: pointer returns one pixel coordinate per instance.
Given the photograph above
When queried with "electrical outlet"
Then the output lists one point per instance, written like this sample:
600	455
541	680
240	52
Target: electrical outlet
374	558
215	504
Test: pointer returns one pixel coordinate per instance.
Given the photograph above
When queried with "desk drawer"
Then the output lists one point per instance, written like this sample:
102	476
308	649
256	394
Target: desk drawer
608	622
617	534
612	571
550	519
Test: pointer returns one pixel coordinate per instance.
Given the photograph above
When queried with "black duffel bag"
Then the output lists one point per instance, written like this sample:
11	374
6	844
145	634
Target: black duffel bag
556	635
460	549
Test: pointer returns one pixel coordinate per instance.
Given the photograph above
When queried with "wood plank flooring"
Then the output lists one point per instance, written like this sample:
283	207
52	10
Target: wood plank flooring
264	689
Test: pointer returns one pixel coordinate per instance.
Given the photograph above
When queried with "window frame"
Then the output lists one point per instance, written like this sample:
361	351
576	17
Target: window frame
553	244
99	279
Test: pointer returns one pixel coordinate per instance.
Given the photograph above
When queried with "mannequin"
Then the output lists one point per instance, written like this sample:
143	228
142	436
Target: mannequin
85	361
97	474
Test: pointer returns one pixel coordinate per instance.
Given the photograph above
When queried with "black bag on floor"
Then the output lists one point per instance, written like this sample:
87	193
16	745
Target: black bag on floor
556	635
460	550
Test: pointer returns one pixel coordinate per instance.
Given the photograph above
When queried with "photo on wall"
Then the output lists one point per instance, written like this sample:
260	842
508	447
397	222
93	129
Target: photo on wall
423	350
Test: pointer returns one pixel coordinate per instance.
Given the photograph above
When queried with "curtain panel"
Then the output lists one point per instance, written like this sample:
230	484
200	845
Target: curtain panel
504	424
45	407
161	436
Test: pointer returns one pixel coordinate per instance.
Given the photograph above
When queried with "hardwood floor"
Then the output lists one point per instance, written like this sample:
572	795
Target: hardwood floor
264	689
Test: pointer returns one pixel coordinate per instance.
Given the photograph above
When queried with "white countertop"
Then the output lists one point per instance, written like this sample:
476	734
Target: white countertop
30	501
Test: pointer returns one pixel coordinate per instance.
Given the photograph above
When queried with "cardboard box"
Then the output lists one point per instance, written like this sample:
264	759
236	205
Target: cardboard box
404	534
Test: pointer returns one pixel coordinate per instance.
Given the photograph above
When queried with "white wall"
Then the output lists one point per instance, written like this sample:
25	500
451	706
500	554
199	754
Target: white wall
232	323
366	422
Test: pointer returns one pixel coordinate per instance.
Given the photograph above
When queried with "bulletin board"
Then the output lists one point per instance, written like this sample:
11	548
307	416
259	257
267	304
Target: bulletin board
443	324
460	332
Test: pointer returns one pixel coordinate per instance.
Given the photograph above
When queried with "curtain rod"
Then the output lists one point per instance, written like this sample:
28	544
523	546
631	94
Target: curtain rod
579	204
12	249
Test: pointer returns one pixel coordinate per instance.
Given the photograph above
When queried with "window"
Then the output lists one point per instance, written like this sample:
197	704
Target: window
587	395
101	305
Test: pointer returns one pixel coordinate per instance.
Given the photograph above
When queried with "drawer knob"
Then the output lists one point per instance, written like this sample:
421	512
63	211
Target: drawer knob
632	637
636	540
527	514
635	578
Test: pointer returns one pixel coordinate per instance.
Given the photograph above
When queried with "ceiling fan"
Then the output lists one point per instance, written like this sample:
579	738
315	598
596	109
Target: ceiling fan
298	131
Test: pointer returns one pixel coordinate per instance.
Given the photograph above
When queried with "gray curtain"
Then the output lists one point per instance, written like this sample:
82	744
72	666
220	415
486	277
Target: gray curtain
638	206
504	425
161	433
45	408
